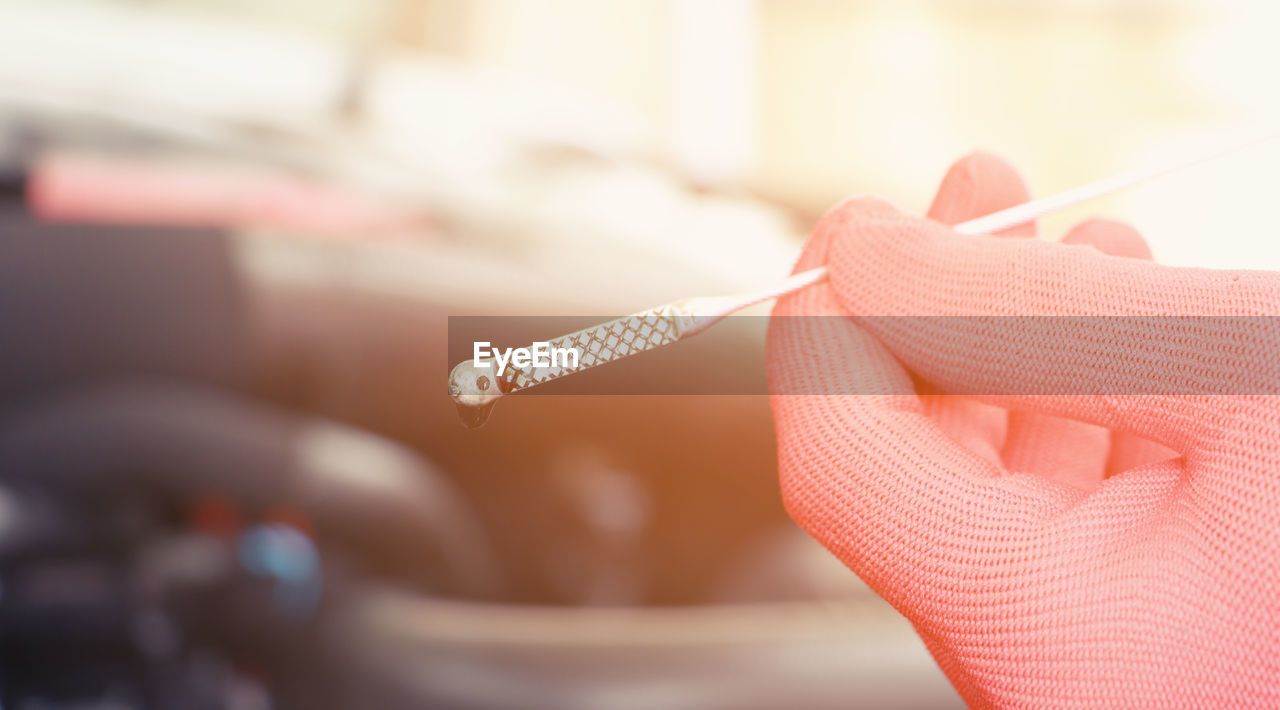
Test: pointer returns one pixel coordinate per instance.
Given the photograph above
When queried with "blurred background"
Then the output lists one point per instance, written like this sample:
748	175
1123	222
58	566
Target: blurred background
232	233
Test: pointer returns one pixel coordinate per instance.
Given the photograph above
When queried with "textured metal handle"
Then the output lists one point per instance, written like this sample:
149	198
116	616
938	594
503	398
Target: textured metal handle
604	343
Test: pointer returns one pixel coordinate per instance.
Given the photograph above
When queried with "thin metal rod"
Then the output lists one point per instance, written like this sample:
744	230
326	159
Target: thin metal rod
1025	212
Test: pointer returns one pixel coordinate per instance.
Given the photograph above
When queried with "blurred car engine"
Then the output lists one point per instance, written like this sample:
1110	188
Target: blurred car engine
230	476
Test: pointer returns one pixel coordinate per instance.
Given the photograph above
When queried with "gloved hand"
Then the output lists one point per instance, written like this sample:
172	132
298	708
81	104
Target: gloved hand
1094	544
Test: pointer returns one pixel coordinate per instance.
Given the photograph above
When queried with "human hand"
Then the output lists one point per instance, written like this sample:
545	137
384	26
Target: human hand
1093	543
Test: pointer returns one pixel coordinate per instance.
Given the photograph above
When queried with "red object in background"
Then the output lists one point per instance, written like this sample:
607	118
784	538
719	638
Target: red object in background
294	518
219	515
100	190
215	514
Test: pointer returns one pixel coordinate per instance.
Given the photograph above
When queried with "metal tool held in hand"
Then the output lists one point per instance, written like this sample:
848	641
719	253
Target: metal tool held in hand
476	386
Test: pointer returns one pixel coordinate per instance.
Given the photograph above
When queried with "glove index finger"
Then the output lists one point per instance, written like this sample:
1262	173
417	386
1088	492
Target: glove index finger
977	185
834	223
1037	320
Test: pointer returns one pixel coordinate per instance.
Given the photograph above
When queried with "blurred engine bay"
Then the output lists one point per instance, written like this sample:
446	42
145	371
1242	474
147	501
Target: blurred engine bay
230	476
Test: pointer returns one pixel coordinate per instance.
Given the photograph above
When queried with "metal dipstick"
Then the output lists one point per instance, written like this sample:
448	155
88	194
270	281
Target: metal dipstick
476	386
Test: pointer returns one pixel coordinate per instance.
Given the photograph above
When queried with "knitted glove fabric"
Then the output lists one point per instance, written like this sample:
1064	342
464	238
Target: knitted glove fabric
1102	547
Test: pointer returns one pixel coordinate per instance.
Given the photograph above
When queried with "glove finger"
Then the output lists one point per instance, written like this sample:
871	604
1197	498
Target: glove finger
976	186
817	248
1127	451
875	479
1109	237
1070	452
977	426
886	266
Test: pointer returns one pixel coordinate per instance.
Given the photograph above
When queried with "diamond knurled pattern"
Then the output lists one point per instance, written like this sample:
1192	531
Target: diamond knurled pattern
604	343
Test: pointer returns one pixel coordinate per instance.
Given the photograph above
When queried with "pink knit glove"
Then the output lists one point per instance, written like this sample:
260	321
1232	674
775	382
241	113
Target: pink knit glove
1106	547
